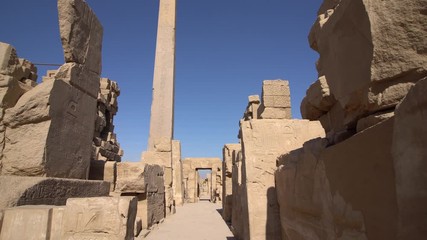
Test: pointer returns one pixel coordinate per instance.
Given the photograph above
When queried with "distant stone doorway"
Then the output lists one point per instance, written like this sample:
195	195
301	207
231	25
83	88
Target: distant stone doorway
204	184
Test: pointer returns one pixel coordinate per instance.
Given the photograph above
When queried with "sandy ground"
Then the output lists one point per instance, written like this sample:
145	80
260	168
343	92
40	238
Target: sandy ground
193	221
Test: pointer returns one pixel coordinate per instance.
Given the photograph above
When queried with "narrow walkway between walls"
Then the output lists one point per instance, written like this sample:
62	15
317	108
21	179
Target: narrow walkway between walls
193	221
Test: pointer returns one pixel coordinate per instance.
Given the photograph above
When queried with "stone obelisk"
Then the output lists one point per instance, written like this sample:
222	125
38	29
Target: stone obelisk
162	107
160	150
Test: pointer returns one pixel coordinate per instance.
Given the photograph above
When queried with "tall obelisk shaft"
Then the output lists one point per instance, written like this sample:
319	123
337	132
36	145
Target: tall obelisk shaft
162	106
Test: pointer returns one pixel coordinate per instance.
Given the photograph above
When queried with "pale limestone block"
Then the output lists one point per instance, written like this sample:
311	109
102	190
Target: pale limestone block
263	142
55	112
47	191
31	222
57	222
319	95
409	158
276	113
100	218
81	34
79	76
130	177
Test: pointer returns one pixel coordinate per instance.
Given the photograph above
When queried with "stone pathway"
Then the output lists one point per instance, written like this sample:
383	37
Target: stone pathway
193	221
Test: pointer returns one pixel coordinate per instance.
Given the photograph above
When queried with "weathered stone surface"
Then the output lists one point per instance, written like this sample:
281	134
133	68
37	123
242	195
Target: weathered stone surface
370	53
239	214
318	100
47	191
81	34
409	156
373	119
228	153
46	118
263	141
32	222
178	189
276	113
276	101
252	110
130	177
321	189
160	158
80	77
162	106
153	176
100	218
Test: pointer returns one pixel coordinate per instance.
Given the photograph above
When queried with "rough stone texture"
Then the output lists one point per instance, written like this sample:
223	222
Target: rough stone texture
239	214
81	34
105	171
32	222
228	153
46	118
191	176
100	218
251	111
335	192
105	145
370	54
178	189
130	177
263	141
276	100
153	176
162	107
47	191
318	100
410	166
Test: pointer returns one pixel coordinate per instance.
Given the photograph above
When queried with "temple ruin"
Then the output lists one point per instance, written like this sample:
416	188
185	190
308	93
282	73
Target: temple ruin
352	168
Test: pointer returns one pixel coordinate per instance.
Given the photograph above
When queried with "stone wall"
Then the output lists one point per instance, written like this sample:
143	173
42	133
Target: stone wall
227	183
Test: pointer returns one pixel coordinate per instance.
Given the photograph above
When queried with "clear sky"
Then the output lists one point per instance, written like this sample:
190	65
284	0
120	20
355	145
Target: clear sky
224	49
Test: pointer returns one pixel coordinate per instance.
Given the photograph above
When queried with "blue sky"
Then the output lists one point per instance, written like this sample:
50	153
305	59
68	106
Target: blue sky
225	48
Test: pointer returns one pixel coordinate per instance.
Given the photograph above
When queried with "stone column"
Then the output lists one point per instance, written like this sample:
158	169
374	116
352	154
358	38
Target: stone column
161	122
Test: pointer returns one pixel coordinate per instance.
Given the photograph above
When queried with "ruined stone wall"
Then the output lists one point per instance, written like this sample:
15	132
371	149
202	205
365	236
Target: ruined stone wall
227	182
364	180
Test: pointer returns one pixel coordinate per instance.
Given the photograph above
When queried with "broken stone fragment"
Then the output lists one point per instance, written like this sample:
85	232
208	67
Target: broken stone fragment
99	218
46	118
130	178
81	34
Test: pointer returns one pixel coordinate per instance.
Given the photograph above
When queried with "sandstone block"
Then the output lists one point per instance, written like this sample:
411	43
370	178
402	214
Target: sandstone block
81	77
130	178
283	101
47	191
276	113
177	187
103	170
319	95
160	158
370	66
409	158
372	120
321	189
254	99
31	222
263	141
81	34
100	218
46	118
275	88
